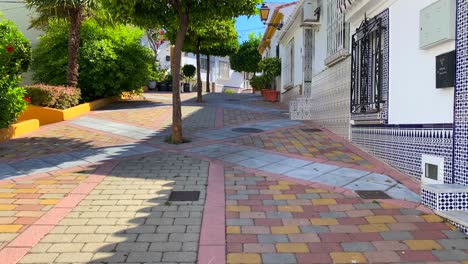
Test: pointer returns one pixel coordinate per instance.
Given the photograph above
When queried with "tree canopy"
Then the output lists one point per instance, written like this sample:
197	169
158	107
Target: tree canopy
246	59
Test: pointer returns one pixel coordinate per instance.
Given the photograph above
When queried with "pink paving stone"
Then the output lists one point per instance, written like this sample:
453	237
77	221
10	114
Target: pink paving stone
386	211
13	255
296	222
352	221
348	200
31	236
242	239
432	226
366	237
306	214
304	238
389	245
268	183
402	227
254	215
421	255
211	254
382	257
335	237
341	207
263	208
299	202
29	207
320	247
401	203
299	188
344	229
215	236
26	220
28	195
271	192
331	196
268	222
231	192
257	187
313	258
424	209
259	248
255	230
53	216
315	208
84	188
408	218
213	217
249	202
359	213
428	235
234	247
71	200
232	214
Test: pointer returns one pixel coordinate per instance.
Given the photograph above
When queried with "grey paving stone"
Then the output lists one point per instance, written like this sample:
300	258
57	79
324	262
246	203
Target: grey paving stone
457	243
180	256
139	257
303	174
295	162
400	191
274	202
32	165
365	185
334	180
183	237
308	196
450	255
380	179
282	215
333	214
325	168
252	163
410	211
367	206
394	235
314	229
358	246
248	192
152	237
251	153
233	158
283	258
133	247
190	246
239	222
272	239
277	168
454	234
347	172
271	157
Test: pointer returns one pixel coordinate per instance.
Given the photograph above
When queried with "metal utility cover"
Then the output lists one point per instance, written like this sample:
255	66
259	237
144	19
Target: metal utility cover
247	130
311	130
373	195
184	196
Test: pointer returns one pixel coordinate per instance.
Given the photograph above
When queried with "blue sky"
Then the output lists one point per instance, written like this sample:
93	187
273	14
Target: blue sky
246	25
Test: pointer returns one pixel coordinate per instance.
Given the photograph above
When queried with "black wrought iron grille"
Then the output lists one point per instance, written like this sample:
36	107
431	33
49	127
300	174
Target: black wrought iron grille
366	67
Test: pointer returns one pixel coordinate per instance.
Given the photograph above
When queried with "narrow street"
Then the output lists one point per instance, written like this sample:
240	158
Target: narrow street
263	189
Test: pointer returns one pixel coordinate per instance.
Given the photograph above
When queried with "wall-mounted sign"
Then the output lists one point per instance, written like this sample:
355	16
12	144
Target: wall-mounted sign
445	70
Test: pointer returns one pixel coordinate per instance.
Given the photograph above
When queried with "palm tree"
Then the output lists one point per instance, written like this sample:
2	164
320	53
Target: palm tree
73	10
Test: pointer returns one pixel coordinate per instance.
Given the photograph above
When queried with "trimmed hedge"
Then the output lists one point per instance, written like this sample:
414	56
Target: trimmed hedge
58	97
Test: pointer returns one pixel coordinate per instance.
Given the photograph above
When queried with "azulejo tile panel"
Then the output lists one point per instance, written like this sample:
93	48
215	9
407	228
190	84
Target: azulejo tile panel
402	147
460	173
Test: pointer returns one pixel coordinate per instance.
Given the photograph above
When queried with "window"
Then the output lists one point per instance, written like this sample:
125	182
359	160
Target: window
203	64
366	67
337	33
432	169
224	69
288	65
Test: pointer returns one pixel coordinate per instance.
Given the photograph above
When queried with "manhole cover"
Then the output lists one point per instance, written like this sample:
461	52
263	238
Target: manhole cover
311	130
246	130
184	196
232	100
373	195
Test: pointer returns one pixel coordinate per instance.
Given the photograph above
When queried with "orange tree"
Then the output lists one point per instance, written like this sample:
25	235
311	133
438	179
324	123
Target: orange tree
178	14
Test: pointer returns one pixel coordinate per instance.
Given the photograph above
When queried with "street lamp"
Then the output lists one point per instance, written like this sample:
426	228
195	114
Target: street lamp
264	14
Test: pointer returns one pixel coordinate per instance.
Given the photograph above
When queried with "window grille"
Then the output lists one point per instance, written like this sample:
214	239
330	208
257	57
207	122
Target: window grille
366	67
224	70
337	33
288	64
203	63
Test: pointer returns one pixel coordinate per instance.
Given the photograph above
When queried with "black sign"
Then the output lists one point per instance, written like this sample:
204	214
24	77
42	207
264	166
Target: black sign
445	70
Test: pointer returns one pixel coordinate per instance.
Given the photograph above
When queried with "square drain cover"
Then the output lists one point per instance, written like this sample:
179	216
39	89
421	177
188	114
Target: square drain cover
310	130
184	196
373	195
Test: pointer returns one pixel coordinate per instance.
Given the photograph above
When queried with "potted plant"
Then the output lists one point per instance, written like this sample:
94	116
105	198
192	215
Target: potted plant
257	83
271	68
156	74
188	71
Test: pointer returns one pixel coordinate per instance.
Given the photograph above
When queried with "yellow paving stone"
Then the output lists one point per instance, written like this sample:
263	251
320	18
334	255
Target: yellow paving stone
292	248
323	201
238	208
244	258
316	191
284	196
7	207
380	219
389	206
32	190
10	228
374	228
279	187
290	208
45	182
7	195
286	183
278	230
348	257
422	244
49	201
7	186
233	230
324	221
432	218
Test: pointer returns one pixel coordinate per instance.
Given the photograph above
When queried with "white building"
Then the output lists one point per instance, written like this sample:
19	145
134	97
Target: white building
383	76
222	77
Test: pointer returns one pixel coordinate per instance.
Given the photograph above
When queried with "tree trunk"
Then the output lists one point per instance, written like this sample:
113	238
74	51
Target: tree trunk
208	73
199	80
253	89
76	18
177	137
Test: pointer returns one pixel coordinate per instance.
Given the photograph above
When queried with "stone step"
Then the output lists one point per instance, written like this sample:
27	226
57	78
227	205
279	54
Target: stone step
445	197
457	218
300	109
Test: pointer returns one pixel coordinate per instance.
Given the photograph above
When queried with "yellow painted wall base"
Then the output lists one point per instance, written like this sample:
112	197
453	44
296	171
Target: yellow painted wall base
19	129
47	115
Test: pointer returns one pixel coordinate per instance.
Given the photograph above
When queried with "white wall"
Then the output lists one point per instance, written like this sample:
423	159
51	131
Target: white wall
413	96
298	56
21	16
320	43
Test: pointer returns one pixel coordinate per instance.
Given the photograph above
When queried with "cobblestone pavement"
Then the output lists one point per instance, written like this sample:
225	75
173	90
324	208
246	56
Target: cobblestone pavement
306	142
97	192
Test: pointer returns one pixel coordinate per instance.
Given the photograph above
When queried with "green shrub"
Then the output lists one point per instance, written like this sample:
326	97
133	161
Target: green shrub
258	82
112	60
58	97
228	91
15	56
188	70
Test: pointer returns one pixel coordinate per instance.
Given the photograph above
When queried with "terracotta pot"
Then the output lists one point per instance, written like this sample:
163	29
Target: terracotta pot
262	92
271	96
